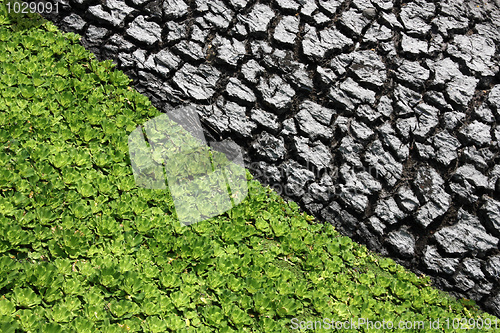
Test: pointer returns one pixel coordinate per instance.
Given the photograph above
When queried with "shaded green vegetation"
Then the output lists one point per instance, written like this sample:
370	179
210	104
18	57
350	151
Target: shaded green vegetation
82	249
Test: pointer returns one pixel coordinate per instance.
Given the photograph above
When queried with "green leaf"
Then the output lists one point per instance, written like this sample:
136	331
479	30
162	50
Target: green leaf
215	279
53	292
239	317
27	91
268	324
231	234
180	300
170	280
7	308
301	289
225	265
252	285
6	207
234	283
132	283
213	315
157	325
383	281
263	303
342	310
262	225
82	325
287	307
107	225
59	313
73	287
118	79
26	297
86	189
60	160
280	227
272	271
61	68
80	209
28	319
348	257
59	84
45	215
124	308
334	265
37	79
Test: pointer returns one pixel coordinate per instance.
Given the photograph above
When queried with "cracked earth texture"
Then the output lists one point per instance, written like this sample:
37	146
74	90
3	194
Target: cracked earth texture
380	117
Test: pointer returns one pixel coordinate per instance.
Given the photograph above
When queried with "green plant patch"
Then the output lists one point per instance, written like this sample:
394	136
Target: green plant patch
83	249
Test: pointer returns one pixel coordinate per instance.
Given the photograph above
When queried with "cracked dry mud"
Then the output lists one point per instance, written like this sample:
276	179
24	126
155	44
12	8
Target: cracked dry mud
380	117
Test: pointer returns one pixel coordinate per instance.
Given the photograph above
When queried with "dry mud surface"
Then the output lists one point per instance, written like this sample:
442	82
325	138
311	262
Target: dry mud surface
380	117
